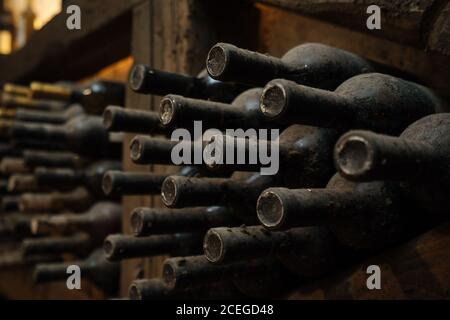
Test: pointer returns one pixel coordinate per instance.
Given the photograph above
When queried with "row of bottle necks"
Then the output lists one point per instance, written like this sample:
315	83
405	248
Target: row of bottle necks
233	228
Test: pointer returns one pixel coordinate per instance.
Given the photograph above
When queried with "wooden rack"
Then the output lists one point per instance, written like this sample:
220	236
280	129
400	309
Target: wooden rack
175	35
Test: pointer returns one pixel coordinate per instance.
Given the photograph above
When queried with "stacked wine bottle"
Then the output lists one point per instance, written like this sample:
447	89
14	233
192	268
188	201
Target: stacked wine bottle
363	166
54	153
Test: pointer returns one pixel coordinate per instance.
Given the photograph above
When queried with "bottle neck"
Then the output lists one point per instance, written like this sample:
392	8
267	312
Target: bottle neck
120	247
178	111
117	119
47	133
366	156
151	81
226	62
53	245
59	177
148	221
130	183
286	102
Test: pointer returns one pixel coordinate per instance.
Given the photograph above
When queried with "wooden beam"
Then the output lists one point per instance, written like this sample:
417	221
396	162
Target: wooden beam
422	24
56	53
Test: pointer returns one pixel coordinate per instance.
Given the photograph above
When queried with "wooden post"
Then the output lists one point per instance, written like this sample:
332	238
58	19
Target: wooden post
170	35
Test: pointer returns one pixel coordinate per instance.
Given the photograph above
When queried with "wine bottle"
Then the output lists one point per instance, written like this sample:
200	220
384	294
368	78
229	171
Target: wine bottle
150	221
306	252
10	165
421	151
117	119
17	90
90	177
146	80
37	158
418	160
95	97
79	244
302	153
18	183
241	192
77	200
183	273
101	219
55	117
84	135
369	215
120	247
137	183
14	101
242	113
310	64
370	101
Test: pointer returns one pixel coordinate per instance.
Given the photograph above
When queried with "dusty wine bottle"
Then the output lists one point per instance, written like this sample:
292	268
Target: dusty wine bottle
243	112
77	200
18	183
102	219
144	79
10	165
79	244
183	273
14	101
138	183
51	117
17	90
361	215
118	119
305	147
310	64
90	177
149	221
370	101
94	97
36	158
120	247
131	183
308	251
84	135
95	267
242	191
422	150
15	226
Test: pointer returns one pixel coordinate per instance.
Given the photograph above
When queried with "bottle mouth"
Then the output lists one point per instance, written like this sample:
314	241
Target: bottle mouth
270	210
213	247
134	292
137	77
169	192
217	60
108	118
167	111
109	248
169	275
273	100
107	183
354	156
136	149
137	222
